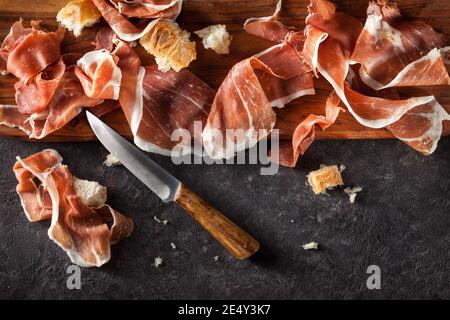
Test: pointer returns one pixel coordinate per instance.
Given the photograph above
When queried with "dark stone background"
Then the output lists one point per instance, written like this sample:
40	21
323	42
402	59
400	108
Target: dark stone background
401	222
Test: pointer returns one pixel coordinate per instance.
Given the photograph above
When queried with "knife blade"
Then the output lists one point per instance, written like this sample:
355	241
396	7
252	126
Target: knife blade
162	183
238	242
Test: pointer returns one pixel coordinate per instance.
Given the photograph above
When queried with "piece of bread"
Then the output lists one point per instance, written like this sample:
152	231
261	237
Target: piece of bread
78	14
216	37
92	194
170	45
327	177
353	192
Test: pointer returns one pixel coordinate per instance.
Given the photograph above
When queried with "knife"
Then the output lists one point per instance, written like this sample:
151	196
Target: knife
238	242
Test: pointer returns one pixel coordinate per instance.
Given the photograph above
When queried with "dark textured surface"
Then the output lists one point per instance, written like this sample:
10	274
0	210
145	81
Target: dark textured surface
400	222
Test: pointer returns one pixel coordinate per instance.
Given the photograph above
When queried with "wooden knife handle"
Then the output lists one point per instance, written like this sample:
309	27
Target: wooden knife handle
238	242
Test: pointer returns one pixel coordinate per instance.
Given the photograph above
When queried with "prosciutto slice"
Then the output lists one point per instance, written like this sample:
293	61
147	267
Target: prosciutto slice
116	14
305	133
269	28
242	112
33	55
149	8
99	74
67	102
47	192
394	51
48	93
35	95
157	105
333	62
28	51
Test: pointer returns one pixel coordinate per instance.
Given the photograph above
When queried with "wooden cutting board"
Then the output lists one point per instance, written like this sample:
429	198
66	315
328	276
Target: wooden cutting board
213	68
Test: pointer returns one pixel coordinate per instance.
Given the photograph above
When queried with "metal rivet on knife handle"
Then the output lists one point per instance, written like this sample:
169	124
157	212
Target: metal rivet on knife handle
238	242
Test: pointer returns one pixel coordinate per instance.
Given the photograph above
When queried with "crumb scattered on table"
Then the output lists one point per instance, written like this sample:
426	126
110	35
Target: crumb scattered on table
311	246
353	192
158	262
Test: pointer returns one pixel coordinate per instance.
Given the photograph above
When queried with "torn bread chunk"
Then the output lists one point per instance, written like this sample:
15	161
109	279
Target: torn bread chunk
92	194
112	161
352	193
311	246
170	45
326	178
77	15
216	37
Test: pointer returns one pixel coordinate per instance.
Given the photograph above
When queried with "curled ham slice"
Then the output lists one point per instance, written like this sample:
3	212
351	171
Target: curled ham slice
156	104
305	133
33	55
28	51
332	60
242	112
269	28
67	102
149	8
115	13
99	74
46	190
396	52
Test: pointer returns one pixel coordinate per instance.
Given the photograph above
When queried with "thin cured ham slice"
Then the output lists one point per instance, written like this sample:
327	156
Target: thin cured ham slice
394	51
173	102
115	13
67	102
158	104
242	112
333	62
47	190
28	51
33	55
99	74
48	94
269	28
338	25
305	133
35	95
149	8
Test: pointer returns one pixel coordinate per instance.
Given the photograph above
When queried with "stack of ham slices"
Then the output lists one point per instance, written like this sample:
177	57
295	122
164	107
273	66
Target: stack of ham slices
48	191
363	63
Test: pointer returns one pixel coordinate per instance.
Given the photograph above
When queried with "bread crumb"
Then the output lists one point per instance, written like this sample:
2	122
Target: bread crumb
311	246
353	192
158	262
157	219
342	168
216	258
174	247
112	161
77	15
164	222
326	178
91	193
216	37
170	45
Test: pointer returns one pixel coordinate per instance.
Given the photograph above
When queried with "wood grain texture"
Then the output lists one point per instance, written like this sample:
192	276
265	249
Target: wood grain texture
238	242
213	68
